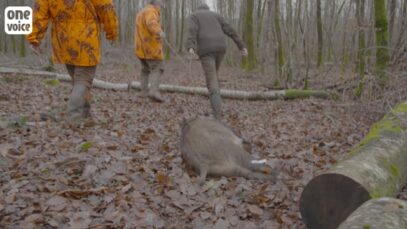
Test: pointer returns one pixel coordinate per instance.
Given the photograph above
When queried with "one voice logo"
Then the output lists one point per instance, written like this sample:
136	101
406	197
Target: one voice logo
18	20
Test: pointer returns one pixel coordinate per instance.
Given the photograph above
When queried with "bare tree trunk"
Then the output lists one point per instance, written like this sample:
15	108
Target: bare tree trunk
2	35
320	35
289	28
13	44
304	29
22	46
167	28
400	45
260	18
392	18
361	64
345	41
249	63
181	39
382	37
280	46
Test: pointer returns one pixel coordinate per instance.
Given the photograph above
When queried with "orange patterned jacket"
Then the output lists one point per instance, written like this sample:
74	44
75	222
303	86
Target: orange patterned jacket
148	43
76	28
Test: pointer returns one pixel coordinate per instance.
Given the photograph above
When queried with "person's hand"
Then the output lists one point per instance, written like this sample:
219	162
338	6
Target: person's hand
244	52
162	35
192	54
36	49
191	51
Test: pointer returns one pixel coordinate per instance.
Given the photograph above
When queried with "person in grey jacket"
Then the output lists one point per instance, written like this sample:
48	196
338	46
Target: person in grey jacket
206	38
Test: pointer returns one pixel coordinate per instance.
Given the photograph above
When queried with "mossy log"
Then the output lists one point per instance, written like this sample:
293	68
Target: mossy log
377	167
228	94
381	213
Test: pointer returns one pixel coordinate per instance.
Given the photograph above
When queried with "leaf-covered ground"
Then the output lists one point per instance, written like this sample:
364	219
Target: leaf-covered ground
125	168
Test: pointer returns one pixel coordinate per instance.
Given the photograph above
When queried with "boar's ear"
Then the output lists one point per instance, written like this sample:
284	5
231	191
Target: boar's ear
247	146
184	122
207	115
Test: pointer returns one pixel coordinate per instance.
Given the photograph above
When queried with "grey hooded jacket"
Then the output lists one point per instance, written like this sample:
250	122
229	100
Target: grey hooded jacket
207	30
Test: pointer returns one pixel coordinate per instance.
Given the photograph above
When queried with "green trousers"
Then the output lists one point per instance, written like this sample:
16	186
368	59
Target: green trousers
151	72
79	100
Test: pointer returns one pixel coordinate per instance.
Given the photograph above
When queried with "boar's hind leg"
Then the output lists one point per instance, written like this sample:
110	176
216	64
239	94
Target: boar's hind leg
202	175
251	175
257	174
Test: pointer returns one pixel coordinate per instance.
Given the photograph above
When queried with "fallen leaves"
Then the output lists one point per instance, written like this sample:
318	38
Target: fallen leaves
125	171
255	210
125	189
89	171
32	220
10	152
56	203
78	194
80	220
162	178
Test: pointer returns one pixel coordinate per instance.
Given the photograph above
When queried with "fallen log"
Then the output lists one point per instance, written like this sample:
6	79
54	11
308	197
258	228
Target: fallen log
225	93
382	213
377	167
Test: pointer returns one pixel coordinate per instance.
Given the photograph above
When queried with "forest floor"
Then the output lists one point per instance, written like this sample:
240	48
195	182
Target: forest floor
125	168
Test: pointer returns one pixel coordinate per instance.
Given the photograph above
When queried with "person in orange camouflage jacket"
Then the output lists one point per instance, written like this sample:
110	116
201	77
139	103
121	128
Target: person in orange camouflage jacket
76	29
149	38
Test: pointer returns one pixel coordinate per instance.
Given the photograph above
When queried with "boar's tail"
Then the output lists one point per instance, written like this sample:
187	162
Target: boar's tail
260	168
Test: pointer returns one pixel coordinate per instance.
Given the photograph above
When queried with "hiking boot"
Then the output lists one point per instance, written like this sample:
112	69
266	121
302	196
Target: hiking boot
143	94
156	97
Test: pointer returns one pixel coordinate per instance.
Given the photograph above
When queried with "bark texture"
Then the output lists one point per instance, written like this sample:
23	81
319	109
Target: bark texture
377	167
382	213
228	94
382	41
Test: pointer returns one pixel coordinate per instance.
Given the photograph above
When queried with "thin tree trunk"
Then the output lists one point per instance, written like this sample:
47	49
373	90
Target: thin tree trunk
320	35
249	63
399	47
304	28
177	24
260	21
280	47
392	18
181	41
167	28
361	64
289	27
382	37
2	34
22	46
345	48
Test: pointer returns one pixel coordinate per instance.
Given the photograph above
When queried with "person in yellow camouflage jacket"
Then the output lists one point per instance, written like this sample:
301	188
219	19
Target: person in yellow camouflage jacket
75	33
149	38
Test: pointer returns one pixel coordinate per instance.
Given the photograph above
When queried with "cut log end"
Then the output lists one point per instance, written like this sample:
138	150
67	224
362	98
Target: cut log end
329	199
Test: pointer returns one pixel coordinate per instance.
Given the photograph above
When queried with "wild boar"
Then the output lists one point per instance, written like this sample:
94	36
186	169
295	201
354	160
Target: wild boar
211	148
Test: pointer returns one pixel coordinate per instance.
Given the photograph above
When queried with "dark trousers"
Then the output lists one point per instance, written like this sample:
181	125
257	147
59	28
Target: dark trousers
211	63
